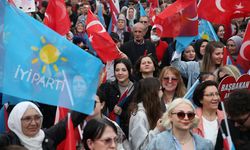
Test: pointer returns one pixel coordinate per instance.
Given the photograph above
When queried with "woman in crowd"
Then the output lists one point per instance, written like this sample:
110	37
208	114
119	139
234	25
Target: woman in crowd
200	46
145	120
228	70
122	142
212	60
146	66
131	18
189	54
100	134
25	121
118	93
206	96
179	120
220	31
233	46
172	84
121	29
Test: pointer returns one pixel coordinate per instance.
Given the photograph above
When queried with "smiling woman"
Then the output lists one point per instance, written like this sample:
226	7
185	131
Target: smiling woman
25	121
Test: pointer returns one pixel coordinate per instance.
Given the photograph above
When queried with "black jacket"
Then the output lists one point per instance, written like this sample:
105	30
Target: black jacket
53	135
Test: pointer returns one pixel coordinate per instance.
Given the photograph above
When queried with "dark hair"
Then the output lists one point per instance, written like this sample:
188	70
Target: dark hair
197	46
147	92
182	57
102	96
115	37
199	91
127	63
238	103
137	72
14	147
94	130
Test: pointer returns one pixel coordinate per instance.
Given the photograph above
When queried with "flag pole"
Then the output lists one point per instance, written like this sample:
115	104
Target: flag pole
68	89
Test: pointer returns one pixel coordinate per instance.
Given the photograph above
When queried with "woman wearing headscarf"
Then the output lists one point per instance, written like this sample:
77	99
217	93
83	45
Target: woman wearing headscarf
25	122
233	46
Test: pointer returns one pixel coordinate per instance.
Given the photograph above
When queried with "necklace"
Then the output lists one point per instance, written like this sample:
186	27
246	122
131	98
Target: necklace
186	141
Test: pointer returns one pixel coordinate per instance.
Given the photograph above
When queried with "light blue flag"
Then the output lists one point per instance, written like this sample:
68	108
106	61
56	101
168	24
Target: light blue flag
85	36
183	41
189	94
100	15
206	31
40	65
142	11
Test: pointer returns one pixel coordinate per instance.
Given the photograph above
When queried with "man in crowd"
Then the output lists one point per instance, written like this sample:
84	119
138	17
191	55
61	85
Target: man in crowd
138	46
238	109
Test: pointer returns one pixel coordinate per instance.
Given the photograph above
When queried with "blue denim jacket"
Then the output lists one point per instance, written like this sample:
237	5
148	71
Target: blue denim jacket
165	141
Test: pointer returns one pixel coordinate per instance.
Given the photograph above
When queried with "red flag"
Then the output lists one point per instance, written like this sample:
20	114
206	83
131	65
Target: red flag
152	15
70	141
153	3
114	12
56	17
101	41
179	19
222	11
227	58
243	59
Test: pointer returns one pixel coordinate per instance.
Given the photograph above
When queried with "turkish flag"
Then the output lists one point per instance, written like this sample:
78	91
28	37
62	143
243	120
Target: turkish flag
56	17
222	11
115	10
179	19
243	59
100	40
70	141
227	58
153	3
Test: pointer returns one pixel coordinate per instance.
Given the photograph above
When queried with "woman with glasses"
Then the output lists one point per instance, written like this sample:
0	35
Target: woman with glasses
206	96
172	84
146	112
179	120
25	121
100	134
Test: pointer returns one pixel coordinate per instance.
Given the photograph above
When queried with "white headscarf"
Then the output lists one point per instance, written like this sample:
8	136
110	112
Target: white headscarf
14	123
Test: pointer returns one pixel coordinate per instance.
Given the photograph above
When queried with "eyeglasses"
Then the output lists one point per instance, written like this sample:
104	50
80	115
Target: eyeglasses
242	121
181	115
109	141
212	94
29	119
168	79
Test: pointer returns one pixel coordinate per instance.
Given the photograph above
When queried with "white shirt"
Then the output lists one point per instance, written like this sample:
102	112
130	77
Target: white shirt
210	129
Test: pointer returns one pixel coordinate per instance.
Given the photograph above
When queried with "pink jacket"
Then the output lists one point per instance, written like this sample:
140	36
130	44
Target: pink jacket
200	130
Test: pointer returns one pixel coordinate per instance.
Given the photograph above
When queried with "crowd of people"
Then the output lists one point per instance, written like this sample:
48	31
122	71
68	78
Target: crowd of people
140	105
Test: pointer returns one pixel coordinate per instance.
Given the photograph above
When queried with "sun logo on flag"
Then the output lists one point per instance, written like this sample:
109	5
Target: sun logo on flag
49	55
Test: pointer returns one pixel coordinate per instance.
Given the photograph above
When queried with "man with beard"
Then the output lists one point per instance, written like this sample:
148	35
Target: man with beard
238	110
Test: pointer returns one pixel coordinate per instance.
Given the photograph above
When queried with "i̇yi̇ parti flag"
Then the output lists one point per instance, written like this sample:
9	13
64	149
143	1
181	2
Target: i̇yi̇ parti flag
206	31
40	65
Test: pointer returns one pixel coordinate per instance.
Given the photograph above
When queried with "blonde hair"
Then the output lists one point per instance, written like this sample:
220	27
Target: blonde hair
180	89
167	122
230	70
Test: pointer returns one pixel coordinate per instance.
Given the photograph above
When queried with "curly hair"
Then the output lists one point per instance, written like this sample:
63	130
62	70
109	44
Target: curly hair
238	103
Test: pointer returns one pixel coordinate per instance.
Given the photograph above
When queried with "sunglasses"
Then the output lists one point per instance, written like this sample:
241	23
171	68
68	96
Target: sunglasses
181	115
109	141
168	79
